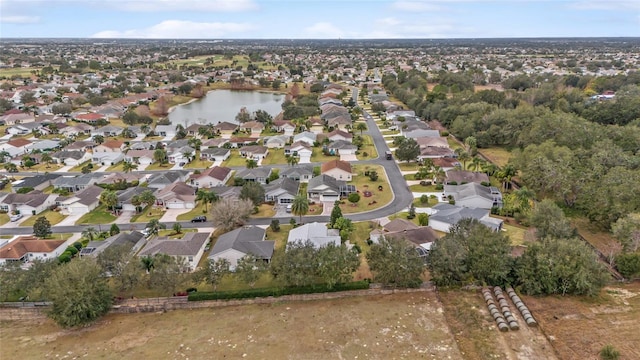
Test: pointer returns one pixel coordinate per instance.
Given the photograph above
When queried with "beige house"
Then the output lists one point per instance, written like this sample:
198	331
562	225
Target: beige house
337	169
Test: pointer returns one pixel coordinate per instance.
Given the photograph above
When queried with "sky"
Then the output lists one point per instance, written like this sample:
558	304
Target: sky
316	19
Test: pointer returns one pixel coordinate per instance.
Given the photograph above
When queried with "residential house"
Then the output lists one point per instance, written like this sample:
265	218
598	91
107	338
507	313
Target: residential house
76	130
82	145
15	147
434	152
193	130
284	126
75	183
281	191
125	197
121	177
446	215
107	131
238	142
71	157
446	164
178	195
181	155
227	192
418	133
166	131
110	146
306	137
38	182
342	122
317	125
337	169
19	118
143	145
276	142
29	248
298	173
214	176
107	158
133	240
226	129
215	154
142	157
255	152
327	189
318	234
336	135
253	128
432	141
474	195
300	149
32	203
81	202
342	148
190	248
43	145
259	174
460	177
162	179
90	118
213	143
247	240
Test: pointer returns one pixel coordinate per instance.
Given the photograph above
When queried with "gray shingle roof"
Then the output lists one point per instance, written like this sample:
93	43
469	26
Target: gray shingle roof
187	246
248	240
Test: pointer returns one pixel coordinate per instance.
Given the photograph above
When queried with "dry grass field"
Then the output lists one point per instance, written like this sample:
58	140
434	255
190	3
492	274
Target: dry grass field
399	326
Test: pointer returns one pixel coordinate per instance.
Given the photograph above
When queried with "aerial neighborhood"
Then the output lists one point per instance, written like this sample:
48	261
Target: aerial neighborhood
236	171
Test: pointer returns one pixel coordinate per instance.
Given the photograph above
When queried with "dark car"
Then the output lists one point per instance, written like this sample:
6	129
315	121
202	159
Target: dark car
199	219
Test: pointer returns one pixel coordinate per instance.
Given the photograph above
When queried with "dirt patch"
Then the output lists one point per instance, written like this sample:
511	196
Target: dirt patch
579	327
378	327
478	337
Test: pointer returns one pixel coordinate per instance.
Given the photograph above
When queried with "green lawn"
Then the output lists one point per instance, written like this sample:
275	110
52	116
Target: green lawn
172	234
235	160
421	188
453	144
149	213
318	156
515	233
198	163
79	167
54	217
390	132
158	166
497	155
404	166
98	216
432	201
368	148
279	237
117	167
403	215
363	183
276	156
264	211
9	72
44	167
4	218
196	211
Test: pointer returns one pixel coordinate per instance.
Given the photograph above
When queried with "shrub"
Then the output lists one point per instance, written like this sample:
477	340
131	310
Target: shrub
439	186
64	258
608	352
628	264
424	199
72	250
484	183
276	292
452	183
77	245
275	225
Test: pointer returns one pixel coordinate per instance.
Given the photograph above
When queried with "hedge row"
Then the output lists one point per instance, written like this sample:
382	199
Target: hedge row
275	291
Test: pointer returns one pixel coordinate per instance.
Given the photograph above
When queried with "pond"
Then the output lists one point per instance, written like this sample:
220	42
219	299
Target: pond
224	105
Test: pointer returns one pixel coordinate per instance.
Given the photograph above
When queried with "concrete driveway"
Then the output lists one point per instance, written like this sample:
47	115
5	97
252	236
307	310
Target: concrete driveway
69	220
172	214
125	217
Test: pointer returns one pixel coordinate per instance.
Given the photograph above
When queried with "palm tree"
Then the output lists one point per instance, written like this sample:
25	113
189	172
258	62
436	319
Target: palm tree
89	233
439	174
361	126
490	168
154	225
47	159
147	197
476	163
160	155
506	174
129	166
300	206
463	156
251	164
109	199
292	160
524	196
147	263
206	197
145	129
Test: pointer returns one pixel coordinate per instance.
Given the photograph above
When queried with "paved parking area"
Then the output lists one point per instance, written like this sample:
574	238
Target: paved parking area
172	214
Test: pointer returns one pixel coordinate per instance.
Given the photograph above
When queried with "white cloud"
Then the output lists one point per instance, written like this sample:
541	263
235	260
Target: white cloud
415	6
605	5
389	21
19	19
182	5
323	30
179	29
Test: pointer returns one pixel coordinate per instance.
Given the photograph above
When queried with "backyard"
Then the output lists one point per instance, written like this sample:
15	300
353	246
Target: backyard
363	183
378	327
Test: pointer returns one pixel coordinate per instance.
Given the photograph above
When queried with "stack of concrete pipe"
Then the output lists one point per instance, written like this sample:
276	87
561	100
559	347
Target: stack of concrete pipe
506	310
494	311
526	314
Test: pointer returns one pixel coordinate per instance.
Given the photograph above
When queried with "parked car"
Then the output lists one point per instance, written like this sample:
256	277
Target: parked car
15	217
201	218
289	207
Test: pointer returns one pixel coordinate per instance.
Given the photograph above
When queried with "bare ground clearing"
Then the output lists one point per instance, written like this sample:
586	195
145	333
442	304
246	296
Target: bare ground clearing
409	326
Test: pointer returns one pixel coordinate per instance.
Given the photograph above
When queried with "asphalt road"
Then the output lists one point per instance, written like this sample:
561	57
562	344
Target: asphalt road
402	195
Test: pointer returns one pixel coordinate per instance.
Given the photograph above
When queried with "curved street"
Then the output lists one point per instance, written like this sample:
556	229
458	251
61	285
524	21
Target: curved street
402	195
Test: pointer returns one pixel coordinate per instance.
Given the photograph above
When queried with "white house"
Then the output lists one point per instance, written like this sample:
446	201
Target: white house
306	137
474	195
82	202
190	248
215	176
318	234
107	158
29	248
447	215
166	131
248	240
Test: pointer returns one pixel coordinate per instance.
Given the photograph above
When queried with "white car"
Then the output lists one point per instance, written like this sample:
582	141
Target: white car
15	217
